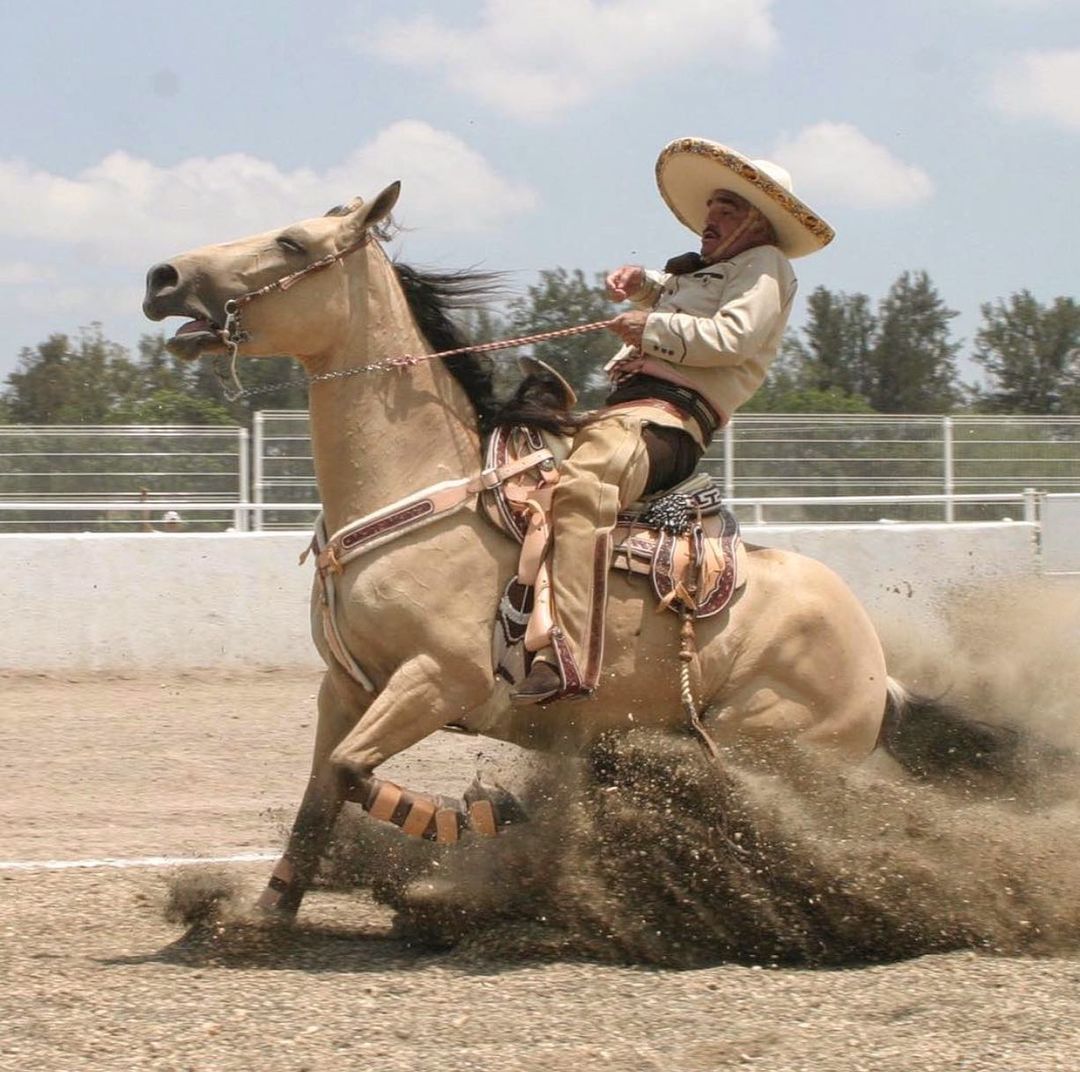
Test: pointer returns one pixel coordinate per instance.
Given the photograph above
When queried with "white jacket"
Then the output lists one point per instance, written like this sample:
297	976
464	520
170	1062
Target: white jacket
716	330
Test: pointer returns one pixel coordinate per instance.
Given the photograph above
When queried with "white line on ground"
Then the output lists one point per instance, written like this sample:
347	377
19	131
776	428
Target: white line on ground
120	862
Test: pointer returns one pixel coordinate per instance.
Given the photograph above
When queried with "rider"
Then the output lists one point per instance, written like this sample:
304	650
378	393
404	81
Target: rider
697	345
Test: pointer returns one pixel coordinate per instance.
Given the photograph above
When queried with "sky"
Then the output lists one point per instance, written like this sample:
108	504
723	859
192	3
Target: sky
933	136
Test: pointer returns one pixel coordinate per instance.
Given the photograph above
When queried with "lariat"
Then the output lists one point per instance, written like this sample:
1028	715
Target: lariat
235	336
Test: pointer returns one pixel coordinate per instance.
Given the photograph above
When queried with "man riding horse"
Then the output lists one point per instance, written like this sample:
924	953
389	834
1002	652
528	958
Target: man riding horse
697	346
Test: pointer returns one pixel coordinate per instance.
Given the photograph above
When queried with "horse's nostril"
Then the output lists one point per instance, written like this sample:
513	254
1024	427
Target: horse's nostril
161	277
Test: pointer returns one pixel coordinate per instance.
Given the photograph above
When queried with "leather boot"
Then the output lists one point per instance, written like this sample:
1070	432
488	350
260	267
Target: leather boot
543	683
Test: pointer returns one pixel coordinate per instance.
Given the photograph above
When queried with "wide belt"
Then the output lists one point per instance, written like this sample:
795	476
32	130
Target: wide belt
685	403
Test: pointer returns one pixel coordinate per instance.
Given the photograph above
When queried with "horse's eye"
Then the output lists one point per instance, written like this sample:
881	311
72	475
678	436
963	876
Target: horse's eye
290	245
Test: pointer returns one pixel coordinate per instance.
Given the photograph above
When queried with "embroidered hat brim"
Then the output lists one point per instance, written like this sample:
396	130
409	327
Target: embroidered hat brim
688	170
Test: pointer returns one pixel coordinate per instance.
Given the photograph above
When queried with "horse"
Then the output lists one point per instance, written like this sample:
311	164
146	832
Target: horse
793	661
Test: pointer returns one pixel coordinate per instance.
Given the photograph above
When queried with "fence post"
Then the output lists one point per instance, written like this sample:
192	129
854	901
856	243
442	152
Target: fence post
1031	504
257	464
240	515
949	473
729	459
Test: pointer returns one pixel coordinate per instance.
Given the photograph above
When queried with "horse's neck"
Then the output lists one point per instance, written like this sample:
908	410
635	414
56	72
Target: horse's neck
378	436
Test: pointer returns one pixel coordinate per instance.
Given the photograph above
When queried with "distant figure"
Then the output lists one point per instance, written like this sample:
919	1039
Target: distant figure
171	521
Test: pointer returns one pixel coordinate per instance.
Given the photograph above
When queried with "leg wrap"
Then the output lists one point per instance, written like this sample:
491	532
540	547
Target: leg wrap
484	809
282	893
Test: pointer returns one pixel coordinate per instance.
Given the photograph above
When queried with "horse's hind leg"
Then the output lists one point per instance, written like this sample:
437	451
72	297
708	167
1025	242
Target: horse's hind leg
319	809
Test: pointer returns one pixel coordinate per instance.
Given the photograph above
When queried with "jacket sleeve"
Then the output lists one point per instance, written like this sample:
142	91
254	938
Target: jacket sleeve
753	304
650	290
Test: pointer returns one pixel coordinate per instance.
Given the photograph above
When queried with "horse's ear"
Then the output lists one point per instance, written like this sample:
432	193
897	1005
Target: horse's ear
370	213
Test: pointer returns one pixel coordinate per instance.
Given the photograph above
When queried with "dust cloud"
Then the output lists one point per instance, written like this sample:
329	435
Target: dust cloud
645	852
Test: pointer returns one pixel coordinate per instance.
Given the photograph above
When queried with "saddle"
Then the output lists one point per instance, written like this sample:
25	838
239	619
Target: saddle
684	540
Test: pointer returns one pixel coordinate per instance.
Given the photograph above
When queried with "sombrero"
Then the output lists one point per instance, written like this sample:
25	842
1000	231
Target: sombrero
689	169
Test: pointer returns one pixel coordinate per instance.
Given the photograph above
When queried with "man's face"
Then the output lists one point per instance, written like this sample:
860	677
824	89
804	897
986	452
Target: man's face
726	212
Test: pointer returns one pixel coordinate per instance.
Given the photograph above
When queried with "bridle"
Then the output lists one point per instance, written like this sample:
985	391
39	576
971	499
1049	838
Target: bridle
233	335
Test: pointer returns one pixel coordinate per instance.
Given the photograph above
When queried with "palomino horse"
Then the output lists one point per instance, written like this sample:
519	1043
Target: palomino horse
794	657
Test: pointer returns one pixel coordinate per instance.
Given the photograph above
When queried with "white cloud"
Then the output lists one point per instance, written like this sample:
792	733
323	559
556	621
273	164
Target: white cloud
84	303
836	162
1041	85
132	210
22	273
1019	5
532	62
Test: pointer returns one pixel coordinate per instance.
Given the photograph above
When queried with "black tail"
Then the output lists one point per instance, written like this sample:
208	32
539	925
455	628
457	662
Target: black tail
939	743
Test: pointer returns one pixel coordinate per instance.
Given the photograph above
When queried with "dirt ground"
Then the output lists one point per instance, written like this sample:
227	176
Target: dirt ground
100	769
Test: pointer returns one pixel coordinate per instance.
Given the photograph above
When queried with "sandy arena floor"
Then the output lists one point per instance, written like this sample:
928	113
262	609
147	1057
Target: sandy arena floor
211	765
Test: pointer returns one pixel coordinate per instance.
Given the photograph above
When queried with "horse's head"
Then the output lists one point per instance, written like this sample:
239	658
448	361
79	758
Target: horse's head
205	285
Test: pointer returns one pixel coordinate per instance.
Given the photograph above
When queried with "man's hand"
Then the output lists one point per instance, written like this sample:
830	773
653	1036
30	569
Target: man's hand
624	281
630	326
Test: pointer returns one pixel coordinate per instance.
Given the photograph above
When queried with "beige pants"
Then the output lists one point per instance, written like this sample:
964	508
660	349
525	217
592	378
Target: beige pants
607	469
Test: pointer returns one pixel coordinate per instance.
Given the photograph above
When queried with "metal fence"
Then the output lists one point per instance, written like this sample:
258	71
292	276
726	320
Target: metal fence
777	469
122	478
283	469
808	469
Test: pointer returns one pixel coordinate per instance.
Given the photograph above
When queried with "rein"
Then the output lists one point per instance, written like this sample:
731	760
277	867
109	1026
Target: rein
400	361
233	336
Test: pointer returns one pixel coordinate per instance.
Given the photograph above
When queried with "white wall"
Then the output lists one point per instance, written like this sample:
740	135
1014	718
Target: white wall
1060	527
114	601
122	602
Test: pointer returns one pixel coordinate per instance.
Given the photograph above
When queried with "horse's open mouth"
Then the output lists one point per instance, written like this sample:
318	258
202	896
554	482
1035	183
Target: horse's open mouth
195	337
198	327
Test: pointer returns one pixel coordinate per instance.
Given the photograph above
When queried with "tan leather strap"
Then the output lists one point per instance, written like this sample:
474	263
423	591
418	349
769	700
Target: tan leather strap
386	799
424	815
373	530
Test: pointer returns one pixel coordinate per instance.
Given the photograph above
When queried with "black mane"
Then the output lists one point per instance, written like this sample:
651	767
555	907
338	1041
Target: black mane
432	297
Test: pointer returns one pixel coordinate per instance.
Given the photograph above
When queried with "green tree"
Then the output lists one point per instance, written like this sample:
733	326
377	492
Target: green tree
824	370
913	359
66	381
1030	353
91	380
838	345
564	299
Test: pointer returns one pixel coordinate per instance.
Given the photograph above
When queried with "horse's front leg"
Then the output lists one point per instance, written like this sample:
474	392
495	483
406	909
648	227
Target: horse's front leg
424	694
420	697
340	705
